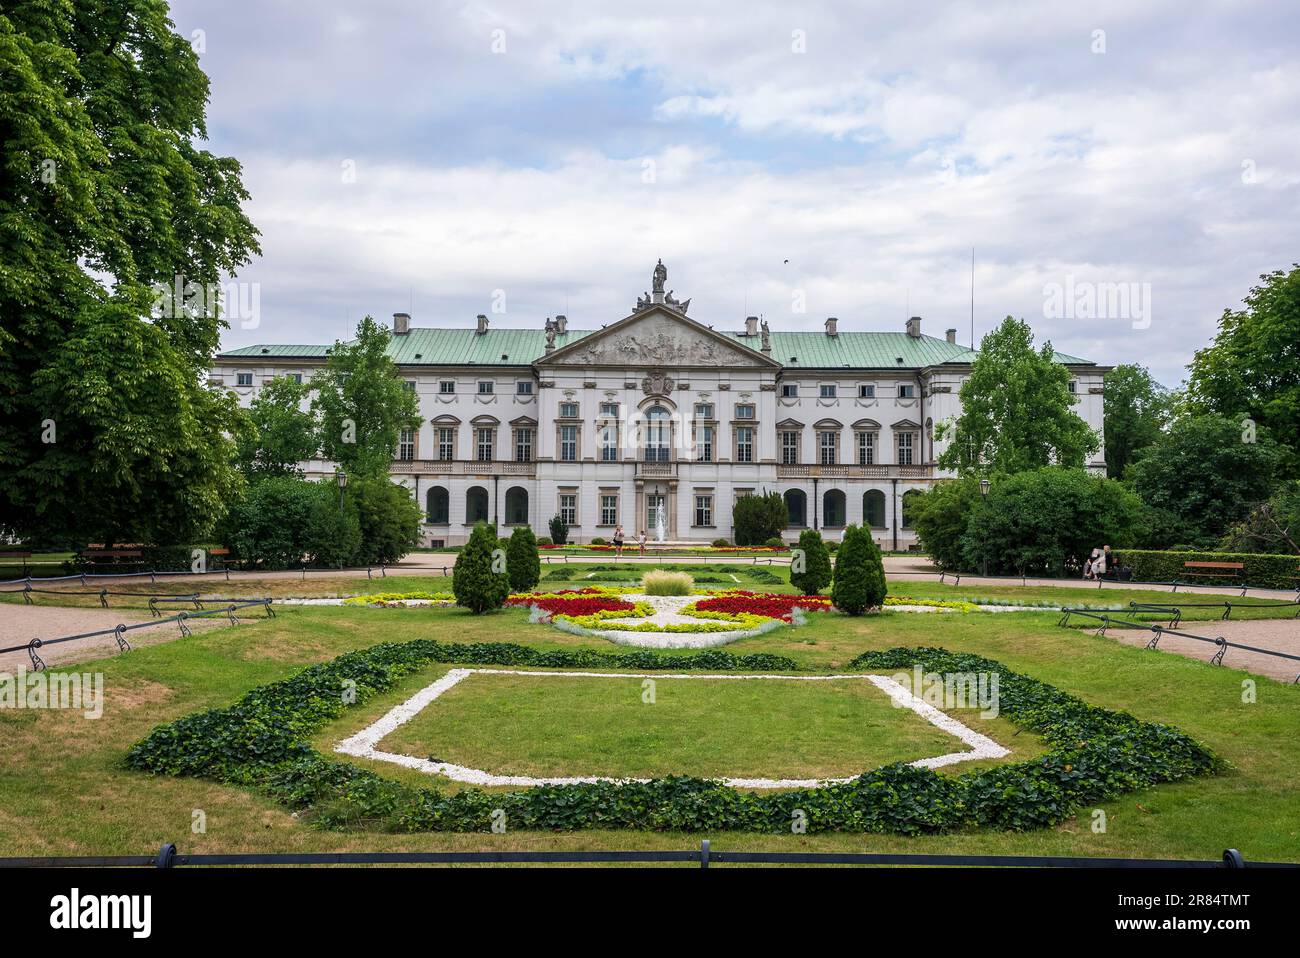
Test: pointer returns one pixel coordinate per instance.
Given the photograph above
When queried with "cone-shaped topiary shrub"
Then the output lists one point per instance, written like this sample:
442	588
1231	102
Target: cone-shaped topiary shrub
523	567
479	580
814	565
859	582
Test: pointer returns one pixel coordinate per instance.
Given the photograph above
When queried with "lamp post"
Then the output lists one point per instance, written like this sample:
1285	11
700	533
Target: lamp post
984	494
341	478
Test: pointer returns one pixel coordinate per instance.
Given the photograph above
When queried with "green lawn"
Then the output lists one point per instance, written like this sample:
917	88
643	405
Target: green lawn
577	726
64	791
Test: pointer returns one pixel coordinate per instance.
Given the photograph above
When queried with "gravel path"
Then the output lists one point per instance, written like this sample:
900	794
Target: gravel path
1278	635
20	624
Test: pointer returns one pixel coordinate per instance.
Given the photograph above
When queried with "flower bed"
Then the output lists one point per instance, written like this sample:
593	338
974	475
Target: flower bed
398	598
763	605
576	604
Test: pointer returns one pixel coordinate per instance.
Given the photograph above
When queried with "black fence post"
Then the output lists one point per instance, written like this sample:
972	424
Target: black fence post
1232	859
166	857
704	853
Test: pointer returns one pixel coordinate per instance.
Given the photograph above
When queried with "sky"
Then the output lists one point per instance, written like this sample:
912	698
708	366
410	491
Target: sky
1123	171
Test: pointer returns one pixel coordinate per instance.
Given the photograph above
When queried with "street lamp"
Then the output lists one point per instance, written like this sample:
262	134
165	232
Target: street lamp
342	478
984	494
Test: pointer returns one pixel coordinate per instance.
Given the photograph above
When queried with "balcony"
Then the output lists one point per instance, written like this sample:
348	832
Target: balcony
441	467
656	470
853	471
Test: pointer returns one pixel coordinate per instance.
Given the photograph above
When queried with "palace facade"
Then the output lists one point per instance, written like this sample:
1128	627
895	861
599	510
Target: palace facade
602	426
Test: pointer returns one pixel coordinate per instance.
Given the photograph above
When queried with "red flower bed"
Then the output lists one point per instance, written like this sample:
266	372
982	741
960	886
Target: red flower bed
583	602
774	605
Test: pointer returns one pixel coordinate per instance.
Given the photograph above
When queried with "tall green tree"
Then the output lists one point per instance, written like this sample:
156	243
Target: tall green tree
363	404
815	572
1252	369
1017	411
859	578
284	432
1136	411
757	518
480	579
108	429
523	564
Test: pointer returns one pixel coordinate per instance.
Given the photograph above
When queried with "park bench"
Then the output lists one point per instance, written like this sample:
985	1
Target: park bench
95	556
1217	570
220	555
24	556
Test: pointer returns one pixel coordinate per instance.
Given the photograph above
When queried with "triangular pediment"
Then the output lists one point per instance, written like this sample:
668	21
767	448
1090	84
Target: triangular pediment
658	337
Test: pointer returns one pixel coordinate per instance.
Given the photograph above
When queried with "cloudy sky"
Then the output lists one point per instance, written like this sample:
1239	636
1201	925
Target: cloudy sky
796	161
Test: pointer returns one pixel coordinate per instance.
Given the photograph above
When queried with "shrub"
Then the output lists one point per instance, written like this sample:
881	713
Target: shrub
1261	571
523	566
759	518
940	517
475	584
597	541
721	544
559	531
816	574
660	582
544	541
859	581
389	517
282	521
775	543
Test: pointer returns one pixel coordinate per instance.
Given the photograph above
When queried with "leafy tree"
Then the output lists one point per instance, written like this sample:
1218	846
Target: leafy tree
1016	410
283	433
1207	471
816	574
759	518
283	521
1047	521
940	517
1136	410
523	565
390	519
859	582
1272	527
559	531
107	428
363	404
476	583
1252	369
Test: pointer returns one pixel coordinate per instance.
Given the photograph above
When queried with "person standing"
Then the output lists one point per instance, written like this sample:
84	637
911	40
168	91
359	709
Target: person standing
640	541
618	542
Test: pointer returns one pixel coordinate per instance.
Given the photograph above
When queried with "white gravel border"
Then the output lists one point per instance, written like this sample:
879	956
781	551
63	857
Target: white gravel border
365	743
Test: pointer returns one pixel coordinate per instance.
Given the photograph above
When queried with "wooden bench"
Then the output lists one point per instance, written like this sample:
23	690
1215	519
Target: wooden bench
17	555
113	556
1218	570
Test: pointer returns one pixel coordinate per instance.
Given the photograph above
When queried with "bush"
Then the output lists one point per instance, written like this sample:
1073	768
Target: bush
523	567
1047	521
475	584
389	517
1262	571
940	517
598	541
659	582
721	544
775	543
816	574
544	541
756	519
559	531
859	581
282	521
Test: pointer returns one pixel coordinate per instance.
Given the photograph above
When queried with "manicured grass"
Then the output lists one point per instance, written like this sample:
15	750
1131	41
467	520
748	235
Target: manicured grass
64	791
574	726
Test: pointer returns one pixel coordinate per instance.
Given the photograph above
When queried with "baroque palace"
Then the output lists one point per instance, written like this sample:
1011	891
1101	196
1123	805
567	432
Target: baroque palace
603	426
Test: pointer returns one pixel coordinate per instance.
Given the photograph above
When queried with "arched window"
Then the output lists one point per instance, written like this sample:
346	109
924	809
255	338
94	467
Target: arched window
516	506
907	518
476	505
833	509
437	506
873	509
658	434
796	505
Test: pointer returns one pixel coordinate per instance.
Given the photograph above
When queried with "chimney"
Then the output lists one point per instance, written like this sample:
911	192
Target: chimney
401	324
751	325
914	327
952	336
561	324
831	324
482	324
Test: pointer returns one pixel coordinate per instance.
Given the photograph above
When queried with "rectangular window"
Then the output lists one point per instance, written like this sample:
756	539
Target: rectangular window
866	449
524	387
789	390
867	392
569	508
744	411
297	377
446	444
827	446
486	387
243	379
609	409
609	510
523	445
704	444
828	391
446	386
906	391
745	444
568	443
568	410
704	510
790	448
1074	386
905	448
410	384
704	410
486	445
609	443
406	445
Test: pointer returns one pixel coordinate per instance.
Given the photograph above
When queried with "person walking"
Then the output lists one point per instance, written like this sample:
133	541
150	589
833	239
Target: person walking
640	541
618	542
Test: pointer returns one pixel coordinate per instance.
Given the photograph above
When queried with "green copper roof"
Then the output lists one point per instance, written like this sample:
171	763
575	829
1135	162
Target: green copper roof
519	347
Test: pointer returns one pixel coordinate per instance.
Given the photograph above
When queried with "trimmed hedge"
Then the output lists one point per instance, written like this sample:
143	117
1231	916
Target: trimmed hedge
263	741
1261	571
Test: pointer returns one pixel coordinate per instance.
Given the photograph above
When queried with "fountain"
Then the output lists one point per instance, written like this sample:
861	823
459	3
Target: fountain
660	522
